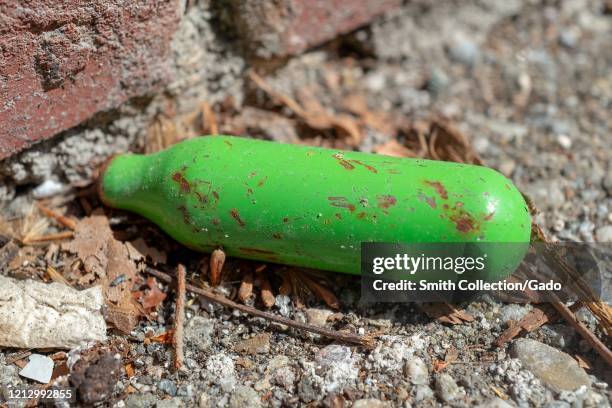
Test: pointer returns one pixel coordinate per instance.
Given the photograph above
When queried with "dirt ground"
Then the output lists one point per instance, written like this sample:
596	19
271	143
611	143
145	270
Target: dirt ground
526	85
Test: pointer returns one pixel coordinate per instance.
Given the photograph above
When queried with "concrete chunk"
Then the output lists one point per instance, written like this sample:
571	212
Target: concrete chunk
38	315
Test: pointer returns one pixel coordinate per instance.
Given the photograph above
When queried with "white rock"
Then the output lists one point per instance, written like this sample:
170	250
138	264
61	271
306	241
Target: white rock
317	317
423	392
370	403
564	141
222	368
339	366
220	365
38	315
447	389
416	371
604	234
39	368
495	403
48	188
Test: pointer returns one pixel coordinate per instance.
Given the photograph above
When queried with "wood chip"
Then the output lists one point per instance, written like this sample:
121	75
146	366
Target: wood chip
217	260
446	313
246	287
267	297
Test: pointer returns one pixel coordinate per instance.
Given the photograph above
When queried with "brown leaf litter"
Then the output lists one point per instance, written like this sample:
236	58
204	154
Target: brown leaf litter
312	113
106	259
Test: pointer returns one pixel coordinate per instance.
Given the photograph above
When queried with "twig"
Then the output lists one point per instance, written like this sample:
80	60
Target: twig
588	335
62	219
56	276
365	341
179	318
209	121
312	112
49	237
602	311
322	292
284	99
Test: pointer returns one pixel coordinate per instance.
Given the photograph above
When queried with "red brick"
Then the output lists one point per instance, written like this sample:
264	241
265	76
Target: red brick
287	27
63	61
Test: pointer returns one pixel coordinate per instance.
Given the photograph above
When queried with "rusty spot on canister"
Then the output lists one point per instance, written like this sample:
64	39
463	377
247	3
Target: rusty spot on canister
431	201
182	181
235	215
262	181
367	166
257	251
201	197
286	220
344	163
439	188
341	202
463	220
277	235
464	223
489	216
386	201
185	213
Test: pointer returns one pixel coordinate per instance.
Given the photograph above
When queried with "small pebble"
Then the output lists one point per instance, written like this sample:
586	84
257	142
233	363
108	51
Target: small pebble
495	403
423	392
564	141
416	371
167	386
604	234
464	50
607	181
47	189
446	388
369	403
244	397
553	367
317	317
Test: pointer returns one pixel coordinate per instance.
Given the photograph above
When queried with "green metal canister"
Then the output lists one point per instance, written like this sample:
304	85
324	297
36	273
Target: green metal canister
309	206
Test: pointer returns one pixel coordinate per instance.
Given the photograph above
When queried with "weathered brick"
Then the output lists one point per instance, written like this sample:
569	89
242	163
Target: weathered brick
280	28
63	61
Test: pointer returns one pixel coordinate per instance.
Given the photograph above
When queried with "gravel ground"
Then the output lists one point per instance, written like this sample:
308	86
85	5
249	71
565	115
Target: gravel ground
530	84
